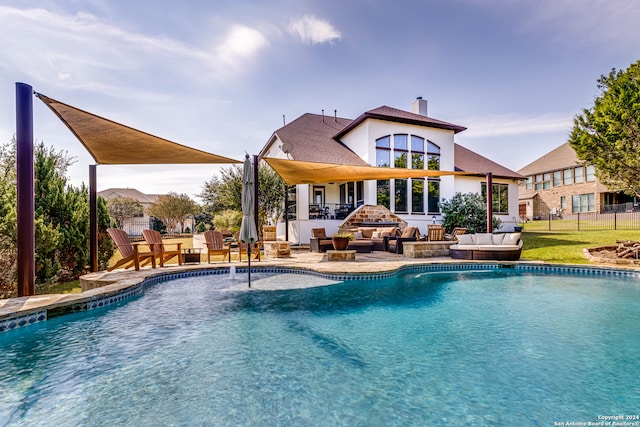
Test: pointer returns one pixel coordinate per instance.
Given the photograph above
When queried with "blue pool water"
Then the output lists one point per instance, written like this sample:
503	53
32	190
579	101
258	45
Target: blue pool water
477	348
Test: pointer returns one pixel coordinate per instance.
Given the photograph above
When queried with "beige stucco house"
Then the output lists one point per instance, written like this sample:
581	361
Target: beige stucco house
385	137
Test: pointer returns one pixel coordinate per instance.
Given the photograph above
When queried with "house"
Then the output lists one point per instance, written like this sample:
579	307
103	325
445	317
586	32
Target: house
134	226
385	137
558	184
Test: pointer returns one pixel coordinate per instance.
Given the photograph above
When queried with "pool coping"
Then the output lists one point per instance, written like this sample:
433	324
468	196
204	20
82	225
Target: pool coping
105	288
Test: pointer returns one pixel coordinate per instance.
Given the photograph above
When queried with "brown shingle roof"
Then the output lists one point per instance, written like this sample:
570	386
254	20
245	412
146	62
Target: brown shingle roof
466	160
399	116
560	158
311	138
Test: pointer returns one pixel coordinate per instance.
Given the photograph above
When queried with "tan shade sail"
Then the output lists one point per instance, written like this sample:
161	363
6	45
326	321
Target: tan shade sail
299	172
111	143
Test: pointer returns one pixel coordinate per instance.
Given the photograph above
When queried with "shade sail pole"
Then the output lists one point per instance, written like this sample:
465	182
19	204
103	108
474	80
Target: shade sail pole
93	219
489	202
25	208
256	192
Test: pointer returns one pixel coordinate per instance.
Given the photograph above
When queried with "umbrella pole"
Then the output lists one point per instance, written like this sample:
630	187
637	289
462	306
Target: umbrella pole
249	262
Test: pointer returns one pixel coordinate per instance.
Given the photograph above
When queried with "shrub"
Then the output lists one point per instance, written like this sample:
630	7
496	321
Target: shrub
466	210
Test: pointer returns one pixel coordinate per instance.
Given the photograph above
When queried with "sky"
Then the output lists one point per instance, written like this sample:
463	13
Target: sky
222	76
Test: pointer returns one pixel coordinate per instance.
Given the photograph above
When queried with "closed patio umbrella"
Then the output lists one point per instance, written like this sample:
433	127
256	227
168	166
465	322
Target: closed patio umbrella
248	232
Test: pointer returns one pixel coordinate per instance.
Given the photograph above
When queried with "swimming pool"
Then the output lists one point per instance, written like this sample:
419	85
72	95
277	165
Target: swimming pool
484	347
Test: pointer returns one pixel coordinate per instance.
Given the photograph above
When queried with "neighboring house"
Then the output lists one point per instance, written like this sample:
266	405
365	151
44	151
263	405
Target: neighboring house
385	137
559	185
135	225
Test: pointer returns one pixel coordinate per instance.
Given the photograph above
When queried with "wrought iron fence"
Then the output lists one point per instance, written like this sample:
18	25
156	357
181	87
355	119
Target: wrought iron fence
587	222
134	227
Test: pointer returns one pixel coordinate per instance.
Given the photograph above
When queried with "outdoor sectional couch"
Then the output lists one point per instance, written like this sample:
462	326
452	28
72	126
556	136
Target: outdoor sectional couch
367	239
488	246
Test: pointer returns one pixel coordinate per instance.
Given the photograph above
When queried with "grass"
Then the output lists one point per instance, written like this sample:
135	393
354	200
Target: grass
565	247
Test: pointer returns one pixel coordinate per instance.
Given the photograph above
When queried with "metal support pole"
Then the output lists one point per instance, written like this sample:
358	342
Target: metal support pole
25	191
489	202
93	219
256	192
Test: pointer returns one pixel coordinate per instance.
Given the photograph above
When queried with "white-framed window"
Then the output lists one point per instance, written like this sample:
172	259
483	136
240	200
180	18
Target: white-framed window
557	178
583	203
591	173
578	175
500	197
529	183
383	152
566	176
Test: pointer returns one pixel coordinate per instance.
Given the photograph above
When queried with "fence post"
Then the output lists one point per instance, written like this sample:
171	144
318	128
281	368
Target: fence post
549	221
615	220
578	221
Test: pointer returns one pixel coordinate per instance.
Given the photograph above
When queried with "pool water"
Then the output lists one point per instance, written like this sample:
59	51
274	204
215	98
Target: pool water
479	348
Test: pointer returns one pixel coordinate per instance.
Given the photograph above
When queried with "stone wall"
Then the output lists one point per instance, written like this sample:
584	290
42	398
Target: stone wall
371	213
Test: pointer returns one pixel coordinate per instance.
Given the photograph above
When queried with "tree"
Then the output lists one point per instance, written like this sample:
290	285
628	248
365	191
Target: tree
607	135
61	220
225	193
173	209
123	208
466	210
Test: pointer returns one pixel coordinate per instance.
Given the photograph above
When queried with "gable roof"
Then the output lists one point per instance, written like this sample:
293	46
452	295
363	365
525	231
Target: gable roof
311	139
315	138
466	160
391	114
559	158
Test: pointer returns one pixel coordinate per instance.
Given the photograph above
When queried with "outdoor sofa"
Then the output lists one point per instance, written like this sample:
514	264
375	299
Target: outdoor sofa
488	246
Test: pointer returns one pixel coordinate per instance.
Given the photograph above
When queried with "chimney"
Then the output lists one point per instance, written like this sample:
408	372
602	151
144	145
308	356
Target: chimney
419	106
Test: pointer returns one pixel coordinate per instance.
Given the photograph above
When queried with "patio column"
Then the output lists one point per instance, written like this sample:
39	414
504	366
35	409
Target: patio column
25	207
489	202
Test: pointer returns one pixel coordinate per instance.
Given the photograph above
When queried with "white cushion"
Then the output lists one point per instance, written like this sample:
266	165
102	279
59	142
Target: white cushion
511	239
465	239
375	235
464	247
357	235
496	239
483	239
498	247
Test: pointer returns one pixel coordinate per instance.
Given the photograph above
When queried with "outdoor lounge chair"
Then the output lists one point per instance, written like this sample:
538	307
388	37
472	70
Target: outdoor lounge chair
457	231
319	242
131	255
216	245
154	240
409	234
435	233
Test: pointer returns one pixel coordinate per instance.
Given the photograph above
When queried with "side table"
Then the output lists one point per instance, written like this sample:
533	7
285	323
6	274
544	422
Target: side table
191	255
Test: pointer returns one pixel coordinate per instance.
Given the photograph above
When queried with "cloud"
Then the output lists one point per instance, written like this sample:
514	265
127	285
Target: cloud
511	124
312	30
240	45
83	51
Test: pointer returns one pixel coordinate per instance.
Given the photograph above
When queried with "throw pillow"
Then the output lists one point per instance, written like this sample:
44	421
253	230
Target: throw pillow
511	239
320	233
483	239
497	238
358	235
375	235
465	239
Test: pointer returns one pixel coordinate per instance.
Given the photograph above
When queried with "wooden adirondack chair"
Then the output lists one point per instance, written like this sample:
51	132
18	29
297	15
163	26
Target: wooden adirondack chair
216	245
154	240
131	255
255	250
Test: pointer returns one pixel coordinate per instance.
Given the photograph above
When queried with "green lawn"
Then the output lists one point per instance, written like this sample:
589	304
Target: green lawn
566	247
